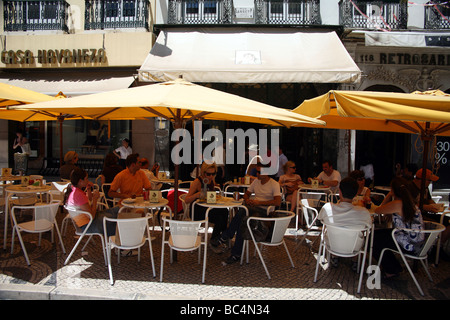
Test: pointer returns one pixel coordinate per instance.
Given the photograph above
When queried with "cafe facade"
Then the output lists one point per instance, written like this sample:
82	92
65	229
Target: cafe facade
79	47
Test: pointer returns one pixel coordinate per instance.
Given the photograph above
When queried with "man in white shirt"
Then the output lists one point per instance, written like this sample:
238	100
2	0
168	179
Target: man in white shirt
329	177
267	193
345	213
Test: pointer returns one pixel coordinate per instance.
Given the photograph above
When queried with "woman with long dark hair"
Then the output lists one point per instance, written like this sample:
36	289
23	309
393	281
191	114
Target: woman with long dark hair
401	203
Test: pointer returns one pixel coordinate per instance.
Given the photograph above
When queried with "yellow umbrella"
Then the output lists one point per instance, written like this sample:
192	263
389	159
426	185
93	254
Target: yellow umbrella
381	111
16	96
178	101
424	113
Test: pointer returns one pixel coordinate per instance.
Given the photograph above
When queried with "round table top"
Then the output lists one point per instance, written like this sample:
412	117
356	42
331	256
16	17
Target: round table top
311	187
27	189
10	178
221	202
141	204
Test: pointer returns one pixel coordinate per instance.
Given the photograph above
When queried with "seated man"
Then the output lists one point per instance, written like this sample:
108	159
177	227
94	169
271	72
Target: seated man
328	177
267	193
155	182
429	206
345	213
131	181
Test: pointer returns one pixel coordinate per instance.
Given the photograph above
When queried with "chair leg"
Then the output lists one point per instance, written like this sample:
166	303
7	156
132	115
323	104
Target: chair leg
162	261
319	255
425	266
23	247
108	257
262	260
412	274
289	255
151	257
60	238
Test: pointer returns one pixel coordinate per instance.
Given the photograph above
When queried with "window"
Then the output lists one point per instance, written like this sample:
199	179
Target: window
288	11
35	15
116	14
201	11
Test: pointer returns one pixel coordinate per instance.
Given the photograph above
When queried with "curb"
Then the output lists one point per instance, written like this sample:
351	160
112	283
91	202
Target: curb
36	292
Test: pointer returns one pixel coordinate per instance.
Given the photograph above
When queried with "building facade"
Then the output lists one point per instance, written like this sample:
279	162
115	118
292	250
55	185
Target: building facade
81	47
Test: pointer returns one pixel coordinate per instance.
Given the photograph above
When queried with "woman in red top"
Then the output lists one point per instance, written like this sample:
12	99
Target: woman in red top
80	196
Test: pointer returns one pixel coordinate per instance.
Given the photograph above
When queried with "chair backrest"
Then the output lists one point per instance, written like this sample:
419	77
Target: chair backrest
309	210
73	213
43	214
61	186
345	240
184	233
280	226
431	232
377	197
185	206
130	232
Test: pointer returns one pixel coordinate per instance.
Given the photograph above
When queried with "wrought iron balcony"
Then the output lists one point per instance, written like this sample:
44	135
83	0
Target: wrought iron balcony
35	15
263	12
116	14
437	16
373	14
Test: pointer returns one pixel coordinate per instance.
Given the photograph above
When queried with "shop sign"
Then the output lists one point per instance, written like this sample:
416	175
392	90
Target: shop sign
405	58
243	12
57	56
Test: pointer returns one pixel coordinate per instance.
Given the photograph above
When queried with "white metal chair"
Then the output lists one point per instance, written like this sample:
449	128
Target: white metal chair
131	234
185	236
309	214
186	214
377	198
344	241
83	232
280	225
316	196
43	221
432	231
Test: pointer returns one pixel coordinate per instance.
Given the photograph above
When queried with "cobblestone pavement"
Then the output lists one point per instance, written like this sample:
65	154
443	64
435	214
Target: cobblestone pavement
86	276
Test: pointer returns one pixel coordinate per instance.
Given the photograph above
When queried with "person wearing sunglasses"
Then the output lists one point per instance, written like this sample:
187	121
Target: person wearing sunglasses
290	182
219	217
363	191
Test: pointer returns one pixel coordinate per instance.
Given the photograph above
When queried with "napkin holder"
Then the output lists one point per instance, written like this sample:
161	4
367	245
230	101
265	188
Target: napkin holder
25	181
6	172
211	197
154	196
315	183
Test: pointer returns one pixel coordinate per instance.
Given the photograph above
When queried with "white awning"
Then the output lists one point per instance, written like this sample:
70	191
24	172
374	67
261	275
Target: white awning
243	55
407	39
70	83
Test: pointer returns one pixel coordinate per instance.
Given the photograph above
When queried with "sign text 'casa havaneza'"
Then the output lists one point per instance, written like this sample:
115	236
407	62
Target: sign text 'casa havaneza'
57	56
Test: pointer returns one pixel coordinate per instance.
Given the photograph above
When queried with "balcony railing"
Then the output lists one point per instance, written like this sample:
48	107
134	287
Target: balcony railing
373	14
263	12
437	16
35	15
116	14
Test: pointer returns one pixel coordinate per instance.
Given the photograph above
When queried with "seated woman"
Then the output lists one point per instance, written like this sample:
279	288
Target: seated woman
401	203
80	196
219	217
290	181
363	191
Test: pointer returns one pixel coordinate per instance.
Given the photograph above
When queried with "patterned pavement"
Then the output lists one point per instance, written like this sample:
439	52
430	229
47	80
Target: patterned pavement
86	276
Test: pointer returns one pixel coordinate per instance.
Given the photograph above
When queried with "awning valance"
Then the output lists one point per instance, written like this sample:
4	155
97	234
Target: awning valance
70	83
245	55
